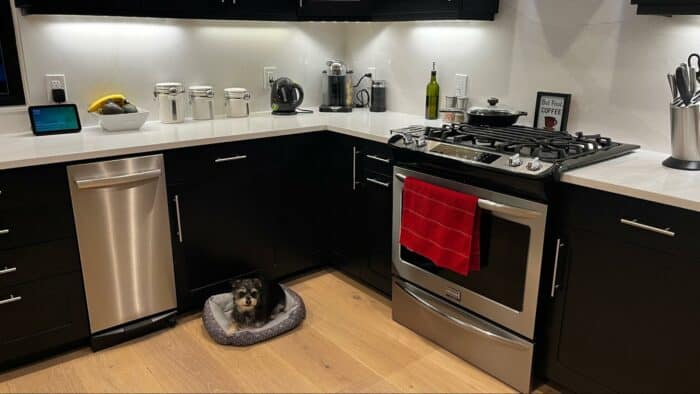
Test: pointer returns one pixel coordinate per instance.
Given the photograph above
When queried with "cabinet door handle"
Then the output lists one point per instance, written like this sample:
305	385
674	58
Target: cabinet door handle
178	217
555	285
5	231
635	223
233	158
8	270
380	183
10	300
377	158
355	152
301	3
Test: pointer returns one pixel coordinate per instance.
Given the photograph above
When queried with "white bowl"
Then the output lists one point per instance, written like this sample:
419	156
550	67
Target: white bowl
122	122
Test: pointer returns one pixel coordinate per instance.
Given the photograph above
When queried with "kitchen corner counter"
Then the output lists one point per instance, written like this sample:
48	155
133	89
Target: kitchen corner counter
25	150
641	175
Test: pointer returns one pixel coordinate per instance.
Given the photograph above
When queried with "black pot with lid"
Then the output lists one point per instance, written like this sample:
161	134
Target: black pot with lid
494	115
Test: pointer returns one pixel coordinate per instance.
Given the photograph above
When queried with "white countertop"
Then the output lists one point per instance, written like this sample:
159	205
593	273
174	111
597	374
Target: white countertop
25	149
638	175
641	175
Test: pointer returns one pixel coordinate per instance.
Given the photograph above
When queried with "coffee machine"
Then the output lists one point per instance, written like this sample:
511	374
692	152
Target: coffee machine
337	89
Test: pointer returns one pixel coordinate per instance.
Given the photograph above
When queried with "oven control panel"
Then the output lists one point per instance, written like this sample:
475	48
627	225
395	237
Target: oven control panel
532	166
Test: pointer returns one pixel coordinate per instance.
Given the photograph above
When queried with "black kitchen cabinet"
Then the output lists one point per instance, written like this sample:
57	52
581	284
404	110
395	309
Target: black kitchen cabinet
624	316
41	316
396	10
360	188
479	9
41	287
223	206
301	203
334	10
667	7
253	9
86	7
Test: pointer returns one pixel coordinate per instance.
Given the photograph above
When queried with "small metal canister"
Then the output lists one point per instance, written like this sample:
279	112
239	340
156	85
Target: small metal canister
171	101
202	101
237	102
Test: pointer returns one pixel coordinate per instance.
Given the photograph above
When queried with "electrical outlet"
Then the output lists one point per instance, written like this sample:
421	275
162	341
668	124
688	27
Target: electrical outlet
373	71
461	85
55	81
269	76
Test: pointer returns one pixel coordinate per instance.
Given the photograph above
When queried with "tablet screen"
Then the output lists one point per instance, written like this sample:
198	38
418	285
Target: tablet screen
54	119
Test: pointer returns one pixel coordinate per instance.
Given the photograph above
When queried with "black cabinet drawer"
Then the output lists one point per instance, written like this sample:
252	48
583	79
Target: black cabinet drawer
34	186
42	315
38	262
29	225
376	157
632	220
198	164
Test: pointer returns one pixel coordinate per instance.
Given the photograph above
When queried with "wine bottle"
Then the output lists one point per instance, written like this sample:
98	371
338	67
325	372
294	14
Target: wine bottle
432	96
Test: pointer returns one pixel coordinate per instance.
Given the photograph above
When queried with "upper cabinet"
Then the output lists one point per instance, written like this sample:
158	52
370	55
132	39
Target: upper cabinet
357	10
393	10
667	7
286	10
275	10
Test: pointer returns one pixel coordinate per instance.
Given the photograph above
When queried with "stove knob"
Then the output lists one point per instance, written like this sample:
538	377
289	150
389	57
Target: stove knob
535	164
515	161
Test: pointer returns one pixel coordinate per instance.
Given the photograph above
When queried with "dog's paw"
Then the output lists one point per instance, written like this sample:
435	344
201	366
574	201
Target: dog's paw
232	329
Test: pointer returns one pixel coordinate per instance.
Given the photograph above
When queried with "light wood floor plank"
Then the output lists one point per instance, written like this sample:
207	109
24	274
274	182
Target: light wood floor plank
349	343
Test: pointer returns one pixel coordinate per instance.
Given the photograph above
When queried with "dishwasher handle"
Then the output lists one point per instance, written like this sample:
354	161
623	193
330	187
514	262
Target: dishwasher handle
96	183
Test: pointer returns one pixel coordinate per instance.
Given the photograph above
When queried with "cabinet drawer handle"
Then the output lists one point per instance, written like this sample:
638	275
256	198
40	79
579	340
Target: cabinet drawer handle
8	270
10	300
635	223
377	158
380	183
355	152
227	159
5	231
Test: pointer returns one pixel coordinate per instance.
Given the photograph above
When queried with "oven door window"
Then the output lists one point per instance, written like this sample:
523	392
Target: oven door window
504	257
11	89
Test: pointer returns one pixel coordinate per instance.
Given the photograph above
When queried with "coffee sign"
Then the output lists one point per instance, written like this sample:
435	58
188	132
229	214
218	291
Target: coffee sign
552	111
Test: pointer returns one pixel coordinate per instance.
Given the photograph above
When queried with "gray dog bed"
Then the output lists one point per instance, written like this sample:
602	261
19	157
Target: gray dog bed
217	320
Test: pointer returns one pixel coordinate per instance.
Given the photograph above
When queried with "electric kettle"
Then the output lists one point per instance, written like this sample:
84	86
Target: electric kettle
287	96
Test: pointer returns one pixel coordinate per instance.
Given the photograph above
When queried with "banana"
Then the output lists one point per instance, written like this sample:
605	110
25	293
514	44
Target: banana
118	99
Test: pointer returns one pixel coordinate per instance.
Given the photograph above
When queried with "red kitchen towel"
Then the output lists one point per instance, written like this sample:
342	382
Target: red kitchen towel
441	225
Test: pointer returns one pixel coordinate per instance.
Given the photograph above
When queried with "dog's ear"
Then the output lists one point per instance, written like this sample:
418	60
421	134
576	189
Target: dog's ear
257	283
236	283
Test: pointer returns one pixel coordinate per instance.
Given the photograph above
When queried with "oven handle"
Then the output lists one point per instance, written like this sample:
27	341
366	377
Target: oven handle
464	324
488	205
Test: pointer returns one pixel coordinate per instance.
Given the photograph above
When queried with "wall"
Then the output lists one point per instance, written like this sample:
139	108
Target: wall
102	55
613	61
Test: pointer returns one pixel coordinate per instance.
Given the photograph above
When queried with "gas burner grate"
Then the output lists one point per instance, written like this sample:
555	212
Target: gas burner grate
551	146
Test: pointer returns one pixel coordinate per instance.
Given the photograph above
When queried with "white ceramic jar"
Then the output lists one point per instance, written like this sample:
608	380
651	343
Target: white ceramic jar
237	102
202	101
172	102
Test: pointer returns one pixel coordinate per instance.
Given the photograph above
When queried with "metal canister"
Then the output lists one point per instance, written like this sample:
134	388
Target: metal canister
378	97
202	101
172	101
237	101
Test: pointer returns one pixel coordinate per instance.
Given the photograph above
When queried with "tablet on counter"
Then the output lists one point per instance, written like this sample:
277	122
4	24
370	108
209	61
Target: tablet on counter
54	119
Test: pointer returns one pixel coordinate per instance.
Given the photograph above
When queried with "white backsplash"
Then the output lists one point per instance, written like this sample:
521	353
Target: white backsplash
613	61
102	55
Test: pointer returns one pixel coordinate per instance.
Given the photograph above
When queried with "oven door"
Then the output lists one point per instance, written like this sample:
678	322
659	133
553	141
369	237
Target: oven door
505	289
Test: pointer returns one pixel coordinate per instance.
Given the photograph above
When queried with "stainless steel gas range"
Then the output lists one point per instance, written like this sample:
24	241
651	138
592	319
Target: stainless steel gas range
487	317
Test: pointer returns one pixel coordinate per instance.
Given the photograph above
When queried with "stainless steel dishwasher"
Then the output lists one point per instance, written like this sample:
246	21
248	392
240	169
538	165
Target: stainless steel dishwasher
121	216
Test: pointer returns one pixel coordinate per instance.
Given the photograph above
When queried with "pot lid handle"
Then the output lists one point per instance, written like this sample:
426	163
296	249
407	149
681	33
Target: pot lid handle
493	101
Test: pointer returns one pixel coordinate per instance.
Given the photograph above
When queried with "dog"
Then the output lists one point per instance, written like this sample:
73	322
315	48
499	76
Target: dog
256	302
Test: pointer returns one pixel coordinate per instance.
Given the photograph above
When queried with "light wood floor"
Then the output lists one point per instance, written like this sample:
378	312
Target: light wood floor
348	343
